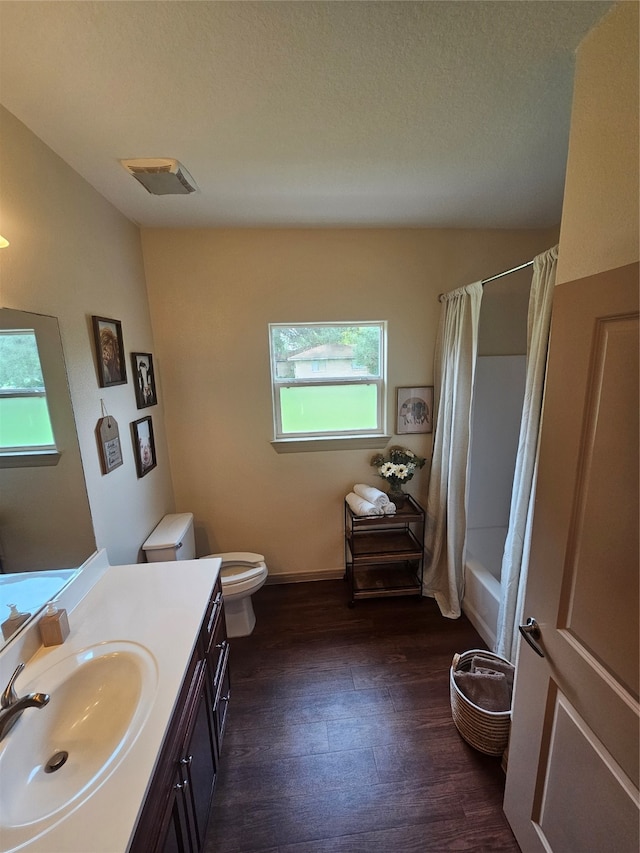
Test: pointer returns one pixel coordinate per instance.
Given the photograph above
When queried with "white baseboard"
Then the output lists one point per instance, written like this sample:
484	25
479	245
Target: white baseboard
302	577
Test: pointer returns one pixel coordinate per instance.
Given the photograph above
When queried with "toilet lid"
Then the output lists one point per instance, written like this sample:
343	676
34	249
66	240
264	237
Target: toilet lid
234	573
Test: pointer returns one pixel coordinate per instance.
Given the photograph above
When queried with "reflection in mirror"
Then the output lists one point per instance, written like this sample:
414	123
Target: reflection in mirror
23	594
46	531
25	424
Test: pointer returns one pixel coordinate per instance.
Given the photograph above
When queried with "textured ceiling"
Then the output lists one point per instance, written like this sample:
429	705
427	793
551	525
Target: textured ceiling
439	114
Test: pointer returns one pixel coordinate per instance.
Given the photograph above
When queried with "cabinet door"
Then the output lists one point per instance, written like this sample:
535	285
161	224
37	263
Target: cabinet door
163	813
199	760
179	836
222	704
175	816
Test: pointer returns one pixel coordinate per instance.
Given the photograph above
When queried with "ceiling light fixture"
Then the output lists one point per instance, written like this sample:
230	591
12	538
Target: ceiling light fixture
3	242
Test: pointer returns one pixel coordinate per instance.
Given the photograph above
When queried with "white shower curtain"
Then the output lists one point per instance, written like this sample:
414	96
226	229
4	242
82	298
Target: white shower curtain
515	560
454	368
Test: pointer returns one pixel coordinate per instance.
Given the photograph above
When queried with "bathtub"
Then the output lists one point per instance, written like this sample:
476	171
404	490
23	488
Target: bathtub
483	561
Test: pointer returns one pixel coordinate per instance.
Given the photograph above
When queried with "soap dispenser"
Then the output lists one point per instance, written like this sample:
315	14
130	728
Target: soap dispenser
54	626
13	621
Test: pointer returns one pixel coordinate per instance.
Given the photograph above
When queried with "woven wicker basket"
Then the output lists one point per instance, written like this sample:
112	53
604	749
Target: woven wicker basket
486	731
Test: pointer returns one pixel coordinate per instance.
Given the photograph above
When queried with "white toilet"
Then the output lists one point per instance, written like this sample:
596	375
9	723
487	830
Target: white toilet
242	573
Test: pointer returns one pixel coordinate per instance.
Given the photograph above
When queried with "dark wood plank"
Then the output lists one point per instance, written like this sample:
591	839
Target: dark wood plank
339	735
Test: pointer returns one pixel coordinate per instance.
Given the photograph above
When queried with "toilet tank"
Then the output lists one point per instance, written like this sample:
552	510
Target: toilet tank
172	539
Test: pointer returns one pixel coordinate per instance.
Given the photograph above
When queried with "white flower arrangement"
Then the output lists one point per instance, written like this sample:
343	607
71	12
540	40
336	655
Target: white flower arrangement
398	467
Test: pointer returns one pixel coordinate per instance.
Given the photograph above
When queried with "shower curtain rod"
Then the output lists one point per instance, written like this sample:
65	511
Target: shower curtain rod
506	272
497	275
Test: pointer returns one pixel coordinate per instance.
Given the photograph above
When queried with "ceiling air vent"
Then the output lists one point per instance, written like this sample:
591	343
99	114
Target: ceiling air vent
161	176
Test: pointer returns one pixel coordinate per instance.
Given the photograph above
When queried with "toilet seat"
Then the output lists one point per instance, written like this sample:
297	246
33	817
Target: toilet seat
241	576
241	558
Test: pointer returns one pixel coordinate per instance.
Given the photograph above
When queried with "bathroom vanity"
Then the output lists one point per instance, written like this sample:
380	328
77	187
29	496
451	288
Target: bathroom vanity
138	697
176	809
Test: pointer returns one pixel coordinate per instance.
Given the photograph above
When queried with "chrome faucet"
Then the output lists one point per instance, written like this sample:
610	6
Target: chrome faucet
13	705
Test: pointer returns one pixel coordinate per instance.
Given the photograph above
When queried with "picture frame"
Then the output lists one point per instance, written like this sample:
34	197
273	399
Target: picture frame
144	448
414	410
144	381
107	334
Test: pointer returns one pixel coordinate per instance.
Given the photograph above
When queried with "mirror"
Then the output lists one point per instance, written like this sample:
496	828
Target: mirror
46	531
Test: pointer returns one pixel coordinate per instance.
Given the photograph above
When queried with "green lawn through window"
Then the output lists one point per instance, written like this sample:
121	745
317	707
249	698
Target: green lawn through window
328	408
24	422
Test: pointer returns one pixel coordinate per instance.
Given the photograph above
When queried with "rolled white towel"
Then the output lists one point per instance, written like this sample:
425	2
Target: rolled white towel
362	507
371	494
389	509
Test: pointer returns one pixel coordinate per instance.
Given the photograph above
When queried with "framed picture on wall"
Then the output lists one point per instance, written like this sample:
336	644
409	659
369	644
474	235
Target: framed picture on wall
144	380
414	410
109	351
144	448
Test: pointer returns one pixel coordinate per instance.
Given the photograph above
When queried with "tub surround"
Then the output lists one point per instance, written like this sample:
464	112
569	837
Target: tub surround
144	604
482	564
495	428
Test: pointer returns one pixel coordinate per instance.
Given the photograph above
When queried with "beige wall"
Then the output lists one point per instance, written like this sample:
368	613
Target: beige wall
73	255
600	229
212	294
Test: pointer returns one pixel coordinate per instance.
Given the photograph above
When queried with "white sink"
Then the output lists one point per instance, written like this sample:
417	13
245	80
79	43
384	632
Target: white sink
57	756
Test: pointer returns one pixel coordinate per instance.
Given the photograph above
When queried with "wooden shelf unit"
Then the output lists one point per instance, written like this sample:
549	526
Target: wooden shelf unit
384	554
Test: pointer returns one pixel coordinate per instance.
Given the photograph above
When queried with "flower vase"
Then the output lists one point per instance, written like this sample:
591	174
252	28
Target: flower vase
397	496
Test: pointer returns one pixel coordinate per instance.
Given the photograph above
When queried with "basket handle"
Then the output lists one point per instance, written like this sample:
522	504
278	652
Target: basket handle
455	661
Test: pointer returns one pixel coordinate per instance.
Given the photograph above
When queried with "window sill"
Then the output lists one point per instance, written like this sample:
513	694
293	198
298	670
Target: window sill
346	442
30	459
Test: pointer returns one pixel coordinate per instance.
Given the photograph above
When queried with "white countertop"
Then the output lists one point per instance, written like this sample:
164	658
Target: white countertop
160	606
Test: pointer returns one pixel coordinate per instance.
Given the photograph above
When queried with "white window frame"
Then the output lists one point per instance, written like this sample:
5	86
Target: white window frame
318	440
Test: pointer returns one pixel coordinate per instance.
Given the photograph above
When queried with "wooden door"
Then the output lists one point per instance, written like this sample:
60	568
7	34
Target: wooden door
572	777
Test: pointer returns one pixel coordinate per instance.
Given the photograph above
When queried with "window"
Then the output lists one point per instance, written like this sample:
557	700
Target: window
328	379
25	425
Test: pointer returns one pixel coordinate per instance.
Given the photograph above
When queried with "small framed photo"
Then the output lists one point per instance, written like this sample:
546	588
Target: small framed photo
144	380
110	351
144	448
414	410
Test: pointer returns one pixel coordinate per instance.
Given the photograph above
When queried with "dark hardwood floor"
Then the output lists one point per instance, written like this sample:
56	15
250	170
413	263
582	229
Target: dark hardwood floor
339	735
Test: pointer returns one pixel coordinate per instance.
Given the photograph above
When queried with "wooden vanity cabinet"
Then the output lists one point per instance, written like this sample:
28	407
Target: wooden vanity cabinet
175	814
